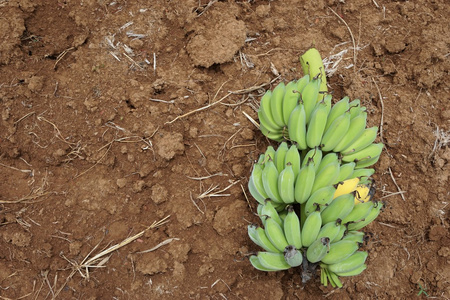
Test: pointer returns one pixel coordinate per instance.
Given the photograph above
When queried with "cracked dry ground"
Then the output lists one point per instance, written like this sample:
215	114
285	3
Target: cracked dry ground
99	139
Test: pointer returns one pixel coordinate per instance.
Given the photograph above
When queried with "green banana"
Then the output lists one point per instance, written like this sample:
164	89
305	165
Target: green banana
265	114
346	170
327	176
341	234
316	125
292	230
270	181
320	199
292	256
304	182
359	212
311	228
355	130
355	108
297	127
312	64
355	236
340	251
339	208
255	184
316	155
369	152
280	153
254	192
258	266
370	217
290	100
336	132
309	97
327	159
367	162
327	99
270	152
338	109
334	279
276	104
302	82
268	210
293	157
275	234
362	173
286	183
330	230
276	136
259	237
354	272
318	249
364	140
273	261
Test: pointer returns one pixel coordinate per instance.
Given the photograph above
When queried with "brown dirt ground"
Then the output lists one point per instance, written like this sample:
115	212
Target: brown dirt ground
89	157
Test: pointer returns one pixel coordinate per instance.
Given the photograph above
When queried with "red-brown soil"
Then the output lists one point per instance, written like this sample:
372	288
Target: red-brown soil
98	140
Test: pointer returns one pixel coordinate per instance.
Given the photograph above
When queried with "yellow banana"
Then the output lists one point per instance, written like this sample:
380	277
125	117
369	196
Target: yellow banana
346	187
304	182
339	208
316	125
273	261
275	234
276	104
290	100
292	256
364	193
339	251
311	228
318	249
286	183
292	230
297	127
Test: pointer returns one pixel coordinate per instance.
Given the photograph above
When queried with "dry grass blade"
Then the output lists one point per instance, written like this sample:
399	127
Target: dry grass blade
165	242
251	119
395	182
254	88
351	35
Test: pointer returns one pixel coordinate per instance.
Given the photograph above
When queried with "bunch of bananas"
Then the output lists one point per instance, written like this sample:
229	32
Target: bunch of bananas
314	191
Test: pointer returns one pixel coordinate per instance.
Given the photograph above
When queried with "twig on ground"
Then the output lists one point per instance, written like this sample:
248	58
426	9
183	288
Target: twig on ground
24	117
62	55
351	35
254	88
195	204
165	242
382	110
246	198
206	177
251	119
398	188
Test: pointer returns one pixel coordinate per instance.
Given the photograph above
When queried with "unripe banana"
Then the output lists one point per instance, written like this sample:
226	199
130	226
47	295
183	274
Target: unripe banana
364	140
369	152
273	261
312	64
359	212
275	234
265	114
254	191
367	162
337	130
259	237
341	234
327	99
293	257
355	236
258	266
290	100
362	173
270	152
311	228
270	181
297	127
370	217
346	170
316	125
354	272
318	249
327	176
338	109
280	153
255	184
327	159
293	157
292	230
330	230
276	104
304	182
339	208
302	82
309	97
355	130
334	279
316	155
346	187
320	199
340	251
355	108
268	210
276	136
286	182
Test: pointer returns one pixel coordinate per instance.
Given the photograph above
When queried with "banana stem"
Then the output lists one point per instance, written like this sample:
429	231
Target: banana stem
312	64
